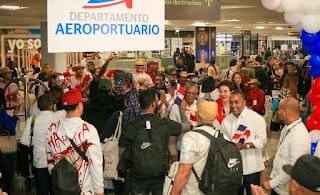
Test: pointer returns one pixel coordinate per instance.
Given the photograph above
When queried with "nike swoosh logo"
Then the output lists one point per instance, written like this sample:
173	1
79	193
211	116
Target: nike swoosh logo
232	164
145	145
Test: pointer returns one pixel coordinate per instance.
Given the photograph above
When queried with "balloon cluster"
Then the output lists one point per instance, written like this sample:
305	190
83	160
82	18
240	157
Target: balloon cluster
304	15
313	121
301	14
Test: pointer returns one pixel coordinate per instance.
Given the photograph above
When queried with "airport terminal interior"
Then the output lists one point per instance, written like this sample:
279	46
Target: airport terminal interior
257	39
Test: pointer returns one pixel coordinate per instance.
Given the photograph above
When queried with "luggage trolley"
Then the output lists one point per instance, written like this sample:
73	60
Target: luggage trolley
24	154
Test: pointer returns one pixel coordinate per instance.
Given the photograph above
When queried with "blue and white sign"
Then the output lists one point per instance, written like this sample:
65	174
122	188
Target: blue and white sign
105	25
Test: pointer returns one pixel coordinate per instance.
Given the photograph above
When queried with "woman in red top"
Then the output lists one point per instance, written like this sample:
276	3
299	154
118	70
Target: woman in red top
225	88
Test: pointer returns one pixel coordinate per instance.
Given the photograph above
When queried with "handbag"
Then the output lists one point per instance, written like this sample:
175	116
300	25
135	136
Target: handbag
169	179
111	153
25	156
8	143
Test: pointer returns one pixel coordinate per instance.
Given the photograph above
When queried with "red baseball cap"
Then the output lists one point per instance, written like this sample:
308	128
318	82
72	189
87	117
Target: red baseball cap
72	97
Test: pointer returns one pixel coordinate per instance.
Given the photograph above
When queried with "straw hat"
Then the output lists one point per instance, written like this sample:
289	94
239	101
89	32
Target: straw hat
4	70
254	81
140	62
77	67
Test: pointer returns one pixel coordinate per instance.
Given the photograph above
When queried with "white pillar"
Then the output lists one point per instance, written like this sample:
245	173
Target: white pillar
58	61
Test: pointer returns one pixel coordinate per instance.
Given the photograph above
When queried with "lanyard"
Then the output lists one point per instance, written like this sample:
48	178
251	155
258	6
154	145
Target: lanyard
288	132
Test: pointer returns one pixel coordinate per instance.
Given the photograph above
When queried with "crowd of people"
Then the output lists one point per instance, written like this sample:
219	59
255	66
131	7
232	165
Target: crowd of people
80	104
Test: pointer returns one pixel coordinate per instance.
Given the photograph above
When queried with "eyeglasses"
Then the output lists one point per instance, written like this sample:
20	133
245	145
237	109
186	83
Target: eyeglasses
191	93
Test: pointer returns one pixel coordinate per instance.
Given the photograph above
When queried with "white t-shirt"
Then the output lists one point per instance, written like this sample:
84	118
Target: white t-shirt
194	150
41	125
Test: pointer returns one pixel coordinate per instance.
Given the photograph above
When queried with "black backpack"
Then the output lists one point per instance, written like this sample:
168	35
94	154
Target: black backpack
148	155
222	173
65	176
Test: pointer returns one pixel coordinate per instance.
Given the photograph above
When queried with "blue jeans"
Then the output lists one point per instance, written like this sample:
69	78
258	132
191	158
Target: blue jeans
8	175
253	178
144	187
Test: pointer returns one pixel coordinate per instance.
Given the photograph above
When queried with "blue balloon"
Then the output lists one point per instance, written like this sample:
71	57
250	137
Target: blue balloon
315	61
316	49
308	38
315	73
308	47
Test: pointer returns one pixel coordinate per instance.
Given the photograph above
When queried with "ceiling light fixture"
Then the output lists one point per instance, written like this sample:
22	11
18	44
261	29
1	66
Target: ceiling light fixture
237	27
278	28
236	6
260	27
265	22
198	24
230	20
12	7
234	20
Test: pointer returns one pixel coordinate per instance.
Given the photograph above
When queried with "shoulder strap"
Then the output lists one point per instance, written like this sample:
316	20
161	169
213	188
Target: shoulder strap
117	132
78	150
210	137
204	133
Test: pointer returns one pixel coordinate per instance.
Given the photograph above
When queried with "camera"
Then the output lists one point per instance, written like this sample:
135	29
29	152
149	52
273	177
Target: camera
61	79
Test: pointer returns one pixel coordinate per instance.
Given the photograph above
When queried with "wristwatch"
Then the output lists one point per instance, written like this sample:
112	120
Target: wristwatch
248	146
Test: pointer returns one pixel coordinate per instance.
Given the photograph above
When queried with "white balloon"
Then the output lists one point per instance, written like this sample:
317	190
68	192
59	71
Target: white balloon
279	9
298	27
311	23
292	6
311	6
294	18
271	4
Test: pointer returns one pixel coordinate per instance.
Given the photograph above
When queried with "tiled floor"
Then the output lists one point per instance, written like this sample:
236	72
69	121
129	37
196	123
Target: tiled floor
268	153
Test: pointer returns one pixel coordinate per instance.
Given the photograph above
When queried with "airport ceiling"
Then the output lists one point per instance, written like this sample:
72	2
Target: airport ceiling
250	13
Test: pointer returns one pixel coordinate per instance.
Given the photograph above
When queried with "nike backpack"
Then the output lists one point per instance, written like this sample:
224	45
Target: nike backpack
148	156
223	170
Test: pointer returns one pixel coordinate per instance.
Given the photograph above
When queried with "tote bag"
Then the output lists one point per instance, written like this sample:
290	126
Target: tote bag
111	154
169	179
8	143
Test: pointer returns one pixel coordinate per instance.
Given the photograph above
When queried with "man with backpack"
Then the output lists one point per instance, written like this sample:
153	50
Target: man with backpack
146	139
247	129
196	163
76	141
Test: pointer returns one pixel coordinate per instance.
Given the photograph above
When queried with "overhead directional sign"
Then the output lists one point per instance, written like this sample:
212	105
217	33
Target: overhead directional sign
192	9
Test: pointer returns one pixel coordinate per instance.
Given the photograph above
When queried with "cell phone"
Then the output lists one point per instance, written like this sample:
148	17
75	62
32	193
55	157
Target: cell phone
61	79
119	84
